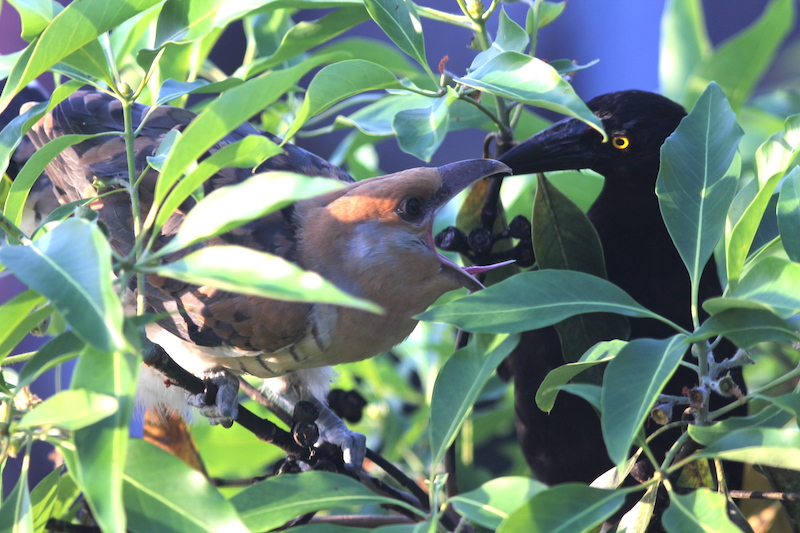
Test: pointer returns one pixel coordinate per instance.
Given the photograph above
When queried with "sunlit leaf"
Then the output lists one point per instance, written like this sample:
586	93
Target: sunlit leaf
740	62
767	446
248	152
341	80
162	493
304	35
700	511
243	270
495	500
180	22
789	215
97	453
229	207
510	38
563	509
602	352
15	513
78	24
70	409
531	81
58	350
71	265
771	282
772	159
224	114
684	45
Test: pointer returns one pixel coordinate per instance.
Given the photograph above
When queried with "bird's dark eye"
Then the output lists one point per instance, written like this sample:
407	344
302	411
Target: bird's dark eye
410	209
620	143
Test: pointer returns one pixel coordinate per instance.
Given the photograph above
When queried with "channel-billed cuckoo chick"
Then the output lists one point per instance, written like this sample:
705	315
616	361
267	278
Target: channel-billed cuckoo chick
372	239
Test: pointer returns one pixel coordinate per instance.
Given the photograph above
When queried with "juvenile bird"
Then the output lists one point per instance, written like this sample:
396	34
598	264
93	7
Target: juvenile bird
372	239
566	444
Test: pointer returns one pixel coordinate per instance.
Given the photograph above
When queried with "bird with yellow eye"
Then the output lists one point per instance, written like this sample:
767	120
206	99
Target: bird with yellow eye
566	444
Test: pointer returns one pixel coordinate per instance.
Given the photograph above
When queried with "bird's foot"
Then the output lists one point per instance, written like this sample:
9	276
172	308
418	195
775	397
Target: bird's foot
220	401
477	246
334	431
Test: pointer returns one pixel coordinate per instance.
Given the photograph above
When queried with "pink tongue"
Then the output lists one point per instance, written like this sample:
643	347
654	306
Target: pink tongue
475	270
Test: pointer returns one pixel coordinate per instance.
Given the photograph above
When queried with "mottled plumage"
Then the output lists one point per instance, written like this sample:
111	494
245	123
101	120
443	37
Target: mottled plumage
371	238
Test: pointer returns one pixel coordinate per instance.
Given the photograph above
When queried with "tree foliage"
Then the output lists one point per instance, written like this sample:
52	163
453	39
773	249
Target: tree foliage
718	197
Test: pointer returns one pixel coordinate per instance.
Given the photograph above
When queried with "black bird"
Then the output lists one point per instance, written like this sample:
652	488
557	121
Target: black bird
566	444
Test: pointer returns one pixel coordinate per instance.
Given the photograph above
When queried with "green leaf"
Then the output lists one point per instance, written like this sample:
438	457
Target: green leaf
564	238
510	38
589	392
304	35
71	266
35	15
771	282
632	382
771	416
162	493
97	455
70	410
90	61
766	446
458	385
638	518
695	186
495	500
246	271
602	352
15	513
13	314
270	503
181	21
789	402
684	45
229	207
746	326
224	114
248	152
563	509
740	62
339	81
400	22
533	300
78	24
772	160
420	132
56	351
789	215
549	12
700	511
18	195
43	500
530	81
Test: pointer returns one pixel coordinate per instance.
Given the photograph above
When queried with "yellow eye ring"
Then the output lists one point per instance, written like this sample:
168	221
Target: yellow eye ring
620	143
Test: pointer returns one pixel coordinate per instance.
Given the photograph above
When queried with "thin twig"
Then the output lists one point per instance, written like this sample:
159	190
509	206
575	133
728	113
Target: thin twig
759	495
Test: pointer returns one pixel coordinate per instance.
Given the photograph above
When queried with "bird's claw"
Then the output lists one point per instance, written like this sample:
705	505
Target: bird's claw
334	431
219	403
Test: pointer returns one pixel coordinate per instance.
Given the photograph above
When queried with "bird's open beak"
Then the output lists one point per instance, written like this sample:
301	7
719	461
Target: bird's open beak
455	178
559	147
